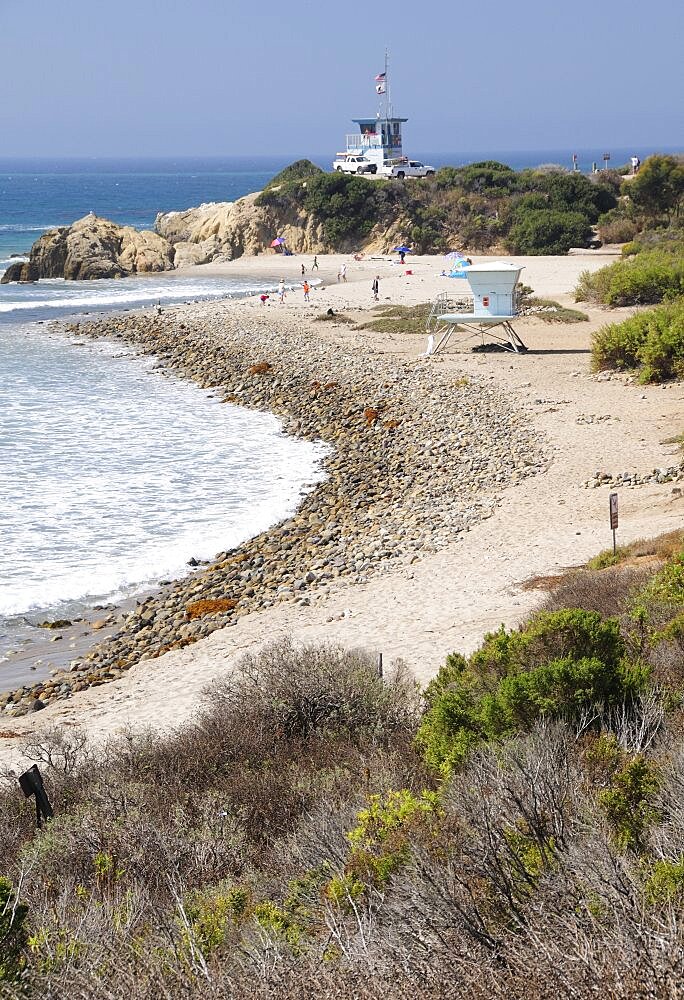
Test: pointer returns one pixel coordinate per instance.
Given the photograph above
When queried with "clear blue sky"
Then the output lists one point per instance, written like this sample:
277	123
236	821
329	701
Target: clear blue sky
230	77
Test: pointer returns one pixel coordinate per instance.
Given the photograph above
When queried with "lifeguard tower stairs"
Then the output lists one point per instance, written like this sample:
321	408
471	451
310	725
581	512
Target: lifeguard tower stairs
494	293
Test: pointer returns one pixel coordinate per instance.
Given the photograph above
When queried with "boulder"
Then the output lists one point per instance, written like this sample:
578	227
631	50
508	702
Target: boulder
93	248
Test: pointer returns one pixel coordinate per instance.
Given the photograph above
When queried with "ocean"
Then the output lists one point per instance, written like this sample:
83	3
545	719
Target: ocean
112	477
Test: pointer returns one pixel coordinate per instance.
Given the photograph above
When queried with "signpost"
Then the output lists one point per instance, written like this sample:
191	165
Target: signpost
613	499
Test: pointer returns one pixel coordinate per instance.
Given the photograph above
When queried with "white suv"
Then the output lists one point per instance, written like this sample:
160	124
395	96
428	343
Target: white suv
355	165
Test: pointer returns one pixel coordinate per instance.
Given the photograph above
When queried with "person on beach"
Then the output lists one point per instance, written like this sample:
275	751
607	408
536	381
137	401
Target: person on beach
314	266
343	272
376	287
303	270
402	256
264	299
281	290
307	289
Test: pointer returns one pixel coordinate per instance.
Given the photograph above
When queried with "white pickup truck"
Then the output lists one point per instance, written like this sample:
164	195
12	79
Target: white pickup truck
354	165
406	168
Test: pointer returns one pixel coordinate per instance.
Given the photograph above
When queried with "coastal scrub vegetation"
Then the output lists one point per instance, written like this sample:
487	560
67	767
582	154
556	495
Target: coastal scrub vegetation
478	206
646	278
650	343
321	831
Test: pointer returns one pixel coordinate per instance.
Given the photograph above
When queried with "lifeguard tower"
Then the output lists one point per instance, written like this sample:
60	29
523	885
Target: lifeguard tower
495	304
378	139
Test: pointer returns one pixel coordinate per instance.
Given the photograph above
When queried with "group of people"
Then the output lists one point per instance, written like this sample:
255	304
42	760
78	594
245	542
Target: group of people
306	287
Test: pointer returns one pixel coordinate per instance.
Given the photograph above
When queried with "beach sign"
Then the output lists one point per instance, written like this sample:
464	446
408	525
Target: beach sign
613	505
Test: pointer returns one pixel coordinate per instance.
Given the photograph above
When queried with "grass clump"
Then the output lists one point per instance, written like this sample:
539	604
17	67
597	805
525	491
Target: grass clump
651	342
332	317
552	312
608	558
397	319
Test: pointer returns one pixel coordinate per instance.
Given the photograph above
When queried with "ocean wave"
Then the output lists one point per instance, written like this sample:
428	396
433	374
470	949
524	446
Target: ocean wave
104	301
20	227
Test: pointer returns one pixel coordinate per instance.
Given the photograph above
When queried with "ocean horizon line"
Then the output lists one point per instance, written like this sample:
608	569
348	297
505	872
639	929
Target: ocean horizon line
468	155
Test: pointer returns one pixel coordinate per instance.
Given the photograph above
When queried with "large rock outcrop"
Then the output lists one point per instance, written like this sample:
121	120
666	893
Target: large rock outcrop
97	248
93	248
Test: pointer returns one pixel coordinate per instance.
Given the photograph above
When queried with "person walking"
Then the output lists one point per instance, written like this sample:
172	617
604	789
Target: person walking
281	291
343	272
303	270
314	266
307	288
402	256
376	287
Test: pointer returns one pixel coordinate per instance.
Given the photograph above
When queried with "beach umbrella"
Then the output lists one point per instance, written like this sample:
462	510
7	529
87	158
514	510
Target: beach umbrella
402	250
278	241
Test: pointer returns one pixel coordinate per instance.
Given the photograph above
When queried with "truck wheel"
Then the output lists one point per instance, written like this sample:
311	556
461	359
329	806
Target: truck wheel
374	169
359	170
338	170
430	173
401	175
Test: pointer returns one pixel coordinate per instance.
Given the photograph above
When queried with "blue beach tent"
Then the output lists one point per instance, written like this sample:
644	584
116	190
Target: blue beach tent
459	263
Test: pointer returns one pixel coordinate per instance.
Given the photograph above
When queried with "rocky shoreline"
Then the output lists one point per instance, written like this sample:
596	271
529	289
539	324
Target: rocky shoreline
417	457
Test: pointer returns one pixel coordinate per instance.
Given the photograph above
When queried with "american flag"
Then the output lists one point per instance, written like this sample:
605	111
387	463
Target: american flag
380	85
380	76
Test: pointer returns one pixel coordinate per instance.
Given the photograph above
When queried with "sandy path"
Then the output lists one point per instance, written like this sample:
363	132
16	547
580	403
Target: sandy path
444	601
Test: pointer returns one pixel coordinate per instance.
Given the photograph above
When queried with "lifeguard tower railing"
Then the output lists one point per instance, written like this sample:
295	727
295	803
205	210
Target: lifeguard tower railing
358	141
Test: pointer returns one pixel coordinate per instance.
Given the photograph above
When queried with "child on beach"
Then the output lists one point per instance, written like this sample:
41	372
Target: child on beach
264	299
307	289
281	290
376	287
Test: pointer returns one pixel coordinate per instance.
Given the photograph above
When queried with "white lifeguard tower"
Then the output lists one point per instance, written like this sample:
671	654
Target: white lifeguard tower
495	304
378	139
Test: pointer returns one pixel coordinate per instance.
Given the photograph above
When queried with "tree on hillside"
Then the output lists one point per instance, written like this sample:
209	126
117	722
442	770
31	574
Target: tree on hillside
657	191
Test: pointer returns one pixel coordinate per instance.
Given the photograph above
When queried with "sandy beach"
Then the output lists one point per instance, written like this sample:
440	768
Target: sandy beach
476	549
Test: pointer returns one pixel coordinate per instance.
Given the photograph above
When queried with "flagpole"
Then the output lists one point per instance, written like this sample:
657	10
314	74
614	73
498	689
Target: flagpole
388	100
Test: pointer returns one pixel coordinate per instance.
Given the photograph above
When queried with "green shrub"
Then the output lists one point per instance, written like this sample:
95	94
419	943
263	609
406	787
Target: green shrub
628	803
614	228
646	279
380	843
213	911
657	608
548	231
300	170
13	933
665	881
657	191
652	342
558	665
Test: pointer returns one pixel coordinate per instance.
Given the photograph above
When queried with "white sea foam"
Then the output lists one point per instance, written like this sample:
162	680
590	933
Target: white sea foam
112	477
57	294
18	227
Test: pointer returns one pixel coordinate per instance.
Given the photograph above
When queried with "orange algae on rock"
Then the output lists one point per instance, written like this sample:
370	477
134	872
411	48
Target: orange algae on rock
198	609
